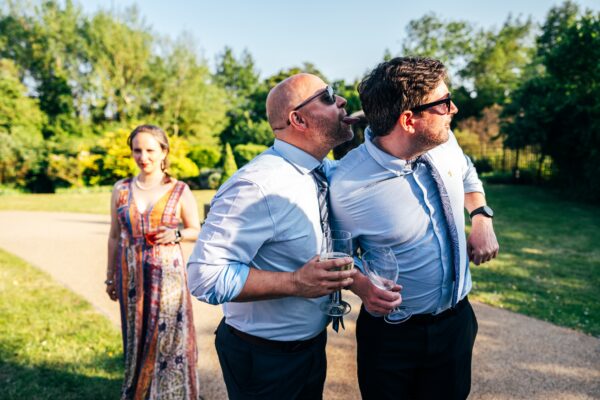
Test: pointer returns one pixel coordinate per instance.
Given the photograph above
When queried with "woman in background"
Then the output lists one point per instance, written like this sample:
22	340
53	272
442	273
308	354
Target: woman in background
146	273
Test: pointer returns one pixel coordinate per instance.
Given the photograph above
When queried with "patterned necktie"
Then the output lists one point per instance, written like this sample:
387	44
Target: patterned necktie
323	197
451	225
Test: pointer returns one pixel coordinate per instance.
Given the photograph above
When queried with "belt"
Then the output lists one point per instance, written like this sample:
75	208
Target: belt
429	318
424	319
285	346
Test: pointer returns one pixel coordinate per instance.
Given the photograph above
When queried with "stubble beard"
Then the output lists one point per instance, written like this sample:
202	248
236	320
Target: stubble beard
335	132
427	139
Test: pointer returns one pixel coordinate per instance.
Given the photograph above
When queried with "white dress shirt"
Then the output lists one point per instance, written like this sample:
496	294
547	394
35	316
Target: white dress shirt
266	216
386	201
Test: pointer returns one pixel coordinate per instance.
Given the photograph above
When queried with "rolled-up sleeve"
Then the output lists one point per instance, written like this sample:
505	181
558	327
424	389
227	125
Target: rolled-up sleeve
238	224
471	181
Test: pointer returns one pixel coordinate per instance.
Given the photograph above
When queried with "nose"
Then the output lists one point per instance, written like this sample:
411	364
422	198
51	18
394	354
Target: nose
453	108
341	102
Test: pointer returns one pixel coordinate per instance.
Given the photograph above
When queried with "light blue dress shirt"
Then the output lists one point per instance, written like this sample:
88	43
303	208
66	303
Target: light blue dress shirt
266	216
386	201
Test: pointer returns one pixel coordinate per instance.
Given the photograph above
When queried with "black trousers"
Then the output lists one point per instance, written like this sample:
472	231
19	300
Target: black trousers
267	370
426	357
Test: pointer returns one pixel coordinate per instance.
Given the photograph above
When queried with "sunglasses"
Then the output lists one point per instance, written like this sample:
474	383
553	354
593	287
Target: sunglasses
326	95
446	101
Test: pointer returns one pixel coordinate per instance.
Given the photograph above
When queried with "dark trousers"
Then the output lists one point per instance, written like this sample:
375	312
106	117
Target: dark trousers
255	368
426	357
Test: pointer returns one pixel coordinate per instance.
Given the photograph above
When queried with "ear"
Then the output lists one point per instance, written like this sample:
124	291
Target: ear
407	121
297	121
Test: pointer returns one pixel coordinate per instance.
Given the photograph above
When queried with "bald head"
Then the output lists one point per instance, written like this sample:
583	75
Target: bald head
288	94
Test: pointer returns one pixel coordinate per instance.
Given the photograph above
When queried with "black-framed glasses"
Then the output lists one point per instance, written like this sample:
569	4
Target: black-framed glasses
326	95
447	101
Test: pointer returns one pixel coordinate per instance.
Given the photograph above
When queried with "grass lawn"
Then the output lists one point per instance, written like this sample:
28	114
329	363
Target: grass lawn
92	203
549	262
53	345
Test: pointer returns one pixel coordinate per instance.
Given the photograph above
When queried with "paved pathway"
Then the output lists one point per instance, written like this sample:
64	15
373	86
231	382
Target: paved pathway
516	357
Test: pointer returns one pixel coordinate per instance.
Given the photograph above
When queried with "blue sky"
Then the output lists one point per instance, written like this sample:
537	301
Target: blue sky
343	39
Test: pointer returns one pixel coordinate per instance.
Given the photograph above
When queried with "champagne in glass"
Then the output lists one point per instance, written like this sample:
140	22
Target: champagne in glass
336	244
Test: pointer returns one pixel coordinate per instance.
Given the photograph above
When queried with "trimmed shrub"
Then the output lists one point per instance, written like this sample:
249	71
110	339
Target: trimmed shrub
244	153
205	156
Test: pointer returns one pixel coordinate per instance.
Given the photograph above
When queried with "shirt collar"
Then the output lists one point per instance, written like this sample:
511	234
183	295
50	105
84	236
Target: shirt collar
387	161
300	159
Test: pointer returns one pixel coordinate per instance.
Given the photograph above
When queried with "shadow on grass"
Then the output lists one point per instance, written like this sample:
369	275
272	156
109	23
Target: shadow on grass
57	381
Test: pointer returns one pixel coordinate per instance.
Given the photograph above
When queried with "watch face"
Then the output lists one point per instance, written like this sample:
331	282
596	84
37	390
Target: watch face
485	210
488	211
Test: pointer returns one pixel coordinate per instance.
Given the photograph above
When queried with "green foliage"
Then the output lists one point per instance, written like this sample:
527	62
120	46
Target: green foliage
247	97
210	178
229	165
559	110
245	130
183	99
244	153
181	166
114	161
120	51
238	77
205	156
21	122
350	93
53	345
485	66
455	43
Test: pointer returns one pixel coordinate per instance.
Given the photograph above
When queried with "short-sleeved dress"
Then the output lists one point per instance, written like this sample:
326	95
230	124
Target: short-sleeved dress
159	340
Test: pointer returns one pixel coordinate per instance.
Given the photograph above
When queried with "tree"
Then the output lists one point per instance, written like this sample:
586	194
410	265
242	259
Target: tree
183	99
559	110
21	122
229	165
499	66
120	53
46	45
455	43
246	98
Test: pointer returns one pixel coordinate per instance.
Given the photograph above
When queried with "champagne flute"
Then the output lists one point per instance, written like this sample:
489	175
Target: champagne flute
381	267
336	244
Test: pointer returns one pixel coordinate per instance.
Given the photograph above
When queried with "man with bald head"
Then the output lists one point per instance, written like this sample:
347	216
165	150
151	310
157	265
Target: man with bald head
257	252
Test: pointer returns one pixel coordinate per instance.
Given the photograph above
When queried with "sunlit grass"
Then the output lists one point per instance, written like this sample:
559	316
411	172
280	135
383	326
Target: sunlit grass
549	262
53	345
92	203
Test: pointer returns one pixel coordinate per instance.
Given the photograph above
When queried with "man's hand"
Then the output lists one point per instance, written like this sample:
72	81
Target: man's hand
482	245
376	300
318	278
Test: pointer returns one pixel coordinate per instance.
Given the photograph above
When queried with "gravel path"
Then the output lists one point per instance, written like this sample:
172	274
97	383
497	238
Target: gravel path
516	357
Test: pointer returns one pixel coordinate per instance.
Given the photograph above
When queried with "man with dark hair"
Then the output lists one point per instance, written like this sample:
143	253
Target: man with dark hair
406	187
256	253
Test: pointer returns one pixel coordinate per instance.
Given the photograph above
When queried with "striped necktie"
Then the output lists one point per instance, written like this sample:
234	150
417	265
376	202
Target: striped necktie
323	197
450	223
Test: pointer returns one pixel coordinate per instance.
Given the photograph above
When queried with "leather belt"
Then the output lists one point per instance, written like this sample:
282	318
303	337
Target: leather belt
425	319
429	318
285	346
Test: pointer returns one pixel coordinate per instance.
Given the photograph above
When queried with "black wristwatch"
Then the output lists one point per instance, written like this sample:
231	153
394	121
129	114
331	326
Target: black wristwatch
485	210
177	236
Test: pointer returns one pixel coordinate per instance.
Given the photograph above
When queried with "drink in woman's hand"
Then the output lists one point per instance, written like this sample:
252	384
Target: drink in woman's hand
151	238
335	255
